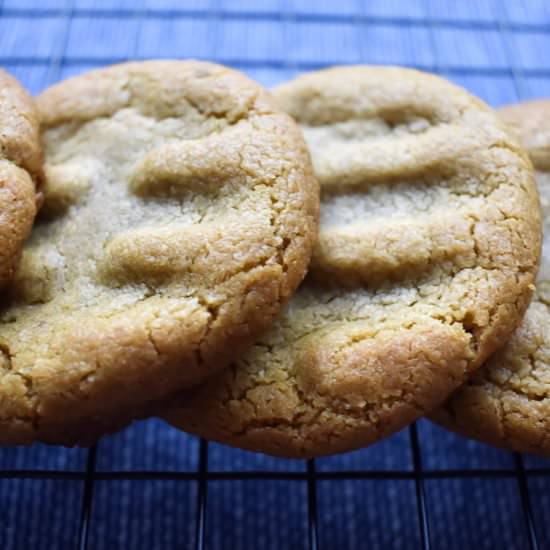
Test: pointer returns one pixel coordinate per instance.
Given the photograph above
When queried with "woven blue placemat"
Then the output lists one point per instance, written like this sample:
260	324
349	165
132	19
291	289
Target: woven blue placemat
497	49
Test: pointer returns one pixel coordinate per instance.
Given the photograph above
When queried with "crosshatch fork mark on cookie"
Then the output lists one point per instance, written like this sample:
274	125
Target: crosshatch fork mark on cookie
140	219
413	205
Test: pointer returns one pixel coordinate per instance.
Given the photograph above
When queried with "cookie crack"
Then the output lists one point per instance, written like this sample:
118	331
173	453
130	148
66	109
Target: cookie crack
6	361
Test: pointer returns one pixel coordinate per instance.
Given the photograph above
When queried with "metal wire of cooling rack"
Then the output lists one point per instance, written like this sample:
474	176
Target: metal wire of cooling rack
60	58
202	476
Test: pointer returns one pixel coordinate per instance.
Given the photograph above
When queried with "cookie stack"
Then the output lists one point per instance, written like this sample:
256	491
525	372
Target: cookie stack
166	270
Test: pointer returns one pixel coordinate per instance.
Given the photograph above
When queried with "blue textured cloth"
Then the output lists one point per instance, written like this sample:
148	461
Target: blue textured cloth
499	50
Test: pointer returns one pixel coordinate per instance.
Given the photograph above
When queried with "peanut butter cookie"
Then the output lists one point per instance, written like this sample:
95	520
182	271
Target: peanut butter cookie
429	244
180	212
507	402
20	171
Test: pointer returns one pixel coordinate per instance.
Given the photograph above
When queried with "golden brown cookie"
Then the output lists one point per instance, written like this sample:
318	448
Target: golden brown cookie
430	231
180	211
507	401
20	171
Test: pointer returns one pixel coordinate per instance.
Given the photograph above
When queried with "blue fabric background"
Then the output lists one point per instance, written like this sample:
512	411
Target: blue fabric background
500	50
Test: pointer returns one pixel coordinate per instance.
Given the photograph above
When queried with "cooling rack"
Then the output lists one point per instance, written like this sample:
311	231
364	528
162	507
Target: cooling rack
153	487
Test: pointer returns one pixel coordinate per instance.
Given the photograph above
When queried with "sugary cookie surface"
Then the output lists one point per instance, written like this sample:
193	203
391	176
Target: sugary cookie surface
20	171
507	401
179	215
429	244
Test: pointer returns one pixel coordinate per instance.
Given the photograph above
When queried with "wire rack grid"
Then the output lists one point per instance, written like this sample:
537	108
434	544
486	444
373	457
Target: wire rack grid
423	488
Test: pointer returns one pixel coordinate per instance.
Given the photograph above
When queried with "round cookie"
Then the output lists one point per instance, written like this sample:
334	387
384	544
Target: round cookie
428	246
180	213
20	171
507	401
